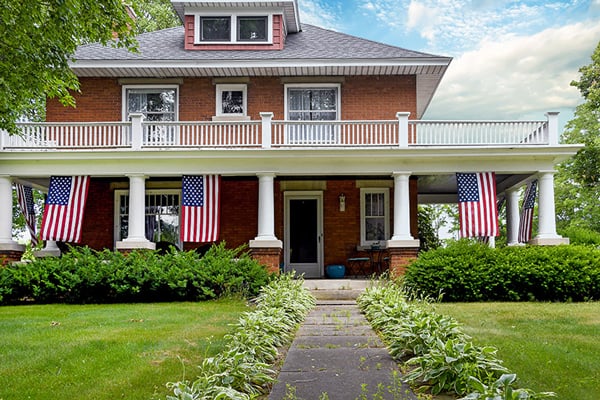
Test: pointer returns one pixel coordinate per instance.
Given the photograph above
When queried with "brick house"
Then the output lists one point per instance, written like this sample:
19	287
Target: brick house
317	137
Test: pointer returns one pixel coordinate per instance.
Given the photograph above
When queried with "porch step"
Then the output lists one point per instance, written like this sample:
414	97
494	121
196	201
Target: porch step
336	289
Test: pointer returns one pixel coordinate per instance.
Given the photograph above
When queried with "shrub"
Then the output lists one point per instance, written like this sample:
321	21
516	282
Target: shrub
83	275
465	271
583	236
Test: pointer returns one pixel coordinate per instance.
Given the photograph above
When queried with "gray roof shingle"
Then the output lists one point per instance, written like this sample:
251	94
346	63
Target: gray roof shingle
311	43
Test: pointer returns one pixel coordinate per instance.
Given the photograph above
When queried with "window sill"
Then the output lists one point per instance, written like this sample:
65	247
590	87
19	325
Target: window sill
230	118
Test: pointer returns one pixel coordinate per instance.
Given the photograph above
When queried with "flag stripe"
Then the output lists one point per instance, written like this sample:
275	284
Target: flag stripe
200	208
478	212
25	200
64	209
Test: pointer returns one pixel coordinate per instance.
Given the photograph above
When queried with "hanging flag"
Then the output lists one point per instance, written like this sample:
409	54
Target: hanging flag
526	218
63	212
200	208
477	209
25	200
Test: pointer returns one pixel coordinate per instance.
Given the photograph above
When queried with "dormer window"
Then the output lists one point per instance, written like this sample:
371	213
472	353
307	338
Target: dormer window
252	29
215	29
234	29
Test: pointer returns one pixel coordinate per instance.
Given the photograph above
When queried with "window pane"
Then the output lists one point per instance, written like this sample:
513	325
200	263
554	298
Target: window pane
375	229
252	29
232	102
317	104
374	205
215	29
162	217
155	104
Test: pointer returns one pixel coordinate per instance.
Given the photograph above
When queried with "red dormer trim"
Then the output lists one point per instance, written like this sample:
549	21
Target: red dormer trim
278	38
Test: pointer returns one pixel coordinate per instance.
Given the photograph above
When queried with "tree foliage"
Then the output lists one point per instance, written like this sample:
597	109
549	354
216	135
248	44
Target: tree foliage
153	15
37	41
578	180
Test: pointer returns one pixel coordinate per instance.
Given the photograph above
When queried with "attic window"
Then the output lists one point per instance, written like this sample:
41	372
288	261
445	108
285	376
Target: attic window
252	29
215	29
233	28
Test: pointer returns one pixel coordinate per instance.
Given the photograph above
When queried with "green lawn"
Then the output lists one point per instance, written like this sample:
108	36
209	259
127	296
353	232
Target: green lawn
550	346
107	351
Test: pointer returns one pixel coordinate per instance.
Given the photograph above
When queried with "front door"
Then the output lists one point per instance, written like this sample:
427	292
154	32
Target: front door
303	233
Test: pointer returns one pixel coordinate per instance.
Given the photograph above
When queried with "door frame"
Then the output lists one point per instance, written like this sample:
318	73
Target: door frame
299	195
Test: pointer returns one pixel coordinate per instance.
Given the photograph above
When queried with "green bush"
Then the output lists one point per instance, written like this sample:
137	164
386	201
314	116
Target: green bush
464	271
583	236
83	275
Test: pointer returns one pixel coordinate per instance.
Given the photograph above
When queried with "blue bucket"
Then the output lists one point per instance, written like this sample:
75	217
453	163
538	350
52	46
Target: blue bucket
336	271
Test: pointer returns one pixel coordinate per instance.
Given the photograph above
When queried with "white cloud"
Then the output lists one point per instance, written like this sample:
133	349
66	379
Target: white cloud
316	12
422	18
517	77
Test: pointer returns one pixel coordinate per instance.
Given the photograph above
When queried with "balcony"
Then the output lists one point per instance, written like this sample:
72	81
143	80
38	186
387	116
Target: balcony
266	133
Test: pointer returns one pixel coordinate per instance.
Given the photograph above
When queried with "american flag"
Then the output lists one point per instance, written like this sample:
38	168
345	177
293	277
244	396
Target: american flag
526	219
25	200
63	212
477	210
200	208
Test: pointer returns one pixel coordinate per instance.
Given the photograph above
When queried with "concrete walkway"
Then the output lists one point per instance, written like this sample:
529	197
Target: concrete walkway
336	352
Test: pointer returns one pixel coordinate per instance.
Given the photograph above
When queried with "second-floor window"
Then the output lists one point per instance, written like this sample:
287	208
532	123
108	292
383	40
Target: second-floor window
156	103
308	103
233	28
231	100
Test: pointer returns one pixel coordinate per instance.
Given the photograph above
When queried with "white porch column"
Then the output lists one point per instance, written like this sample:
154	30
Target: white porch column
546	212
401	236
512	217
6	241
266	213
136	237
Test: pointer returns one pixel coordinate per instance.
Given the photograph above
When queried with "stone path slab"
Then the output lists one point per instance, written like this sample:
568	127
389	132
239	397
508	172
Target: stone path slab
336	352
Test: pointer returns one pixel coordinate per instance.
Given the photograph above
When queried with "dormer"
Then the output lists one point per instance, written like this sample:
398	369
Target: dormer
237	25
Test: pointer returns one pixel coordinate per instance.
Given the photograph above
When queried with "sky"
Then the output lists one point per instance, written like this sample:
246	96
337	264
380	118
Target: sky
512	60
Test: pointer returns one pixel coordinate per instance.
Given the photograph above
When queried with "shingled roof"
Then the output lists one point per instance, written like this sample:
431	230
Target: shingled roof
312	52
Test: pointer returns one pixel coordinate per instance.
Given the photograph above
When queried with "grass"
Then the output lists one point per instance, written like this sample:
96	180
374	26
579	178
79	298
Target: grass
107	351
550	346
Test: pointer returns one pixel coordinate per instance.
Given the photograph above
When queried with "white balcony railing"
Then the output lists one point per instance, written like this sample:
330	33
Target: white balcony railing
267	134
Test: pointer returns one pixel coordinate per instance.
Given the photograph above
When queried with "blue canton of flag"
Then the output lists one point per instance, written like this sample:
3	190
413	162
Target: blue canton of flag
193	191
468	189
60	190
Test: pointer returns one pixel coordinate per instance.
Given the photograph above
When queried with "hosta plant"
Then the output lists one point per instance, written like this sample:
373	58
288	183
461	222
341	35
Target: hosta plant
502	389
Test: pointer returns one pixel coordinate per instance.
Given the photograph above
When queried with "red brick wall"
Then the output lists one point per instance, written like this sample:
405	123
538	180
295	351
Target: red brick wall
239	211
98	219
278	38
378	97
99	100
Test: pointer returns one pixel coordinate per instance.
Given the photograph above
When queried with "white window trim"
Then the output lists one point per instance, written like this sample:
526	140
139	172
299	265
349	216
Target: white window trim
124	89
117	220
386	200
233	31
227	87
337	86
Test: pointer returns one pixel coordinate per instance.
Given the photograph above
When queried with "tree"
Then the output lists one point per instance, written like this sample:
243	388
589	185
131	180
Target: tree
578	179
153	15
37	41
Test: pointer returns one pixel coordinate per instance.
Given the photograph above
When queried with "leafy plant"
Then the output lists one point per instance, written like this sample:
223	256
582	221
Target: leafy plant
502	389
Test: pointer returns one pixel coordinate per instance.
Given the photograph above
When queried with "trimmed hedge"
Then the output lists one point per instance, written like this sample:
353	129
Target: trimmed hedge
464	272
84	275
